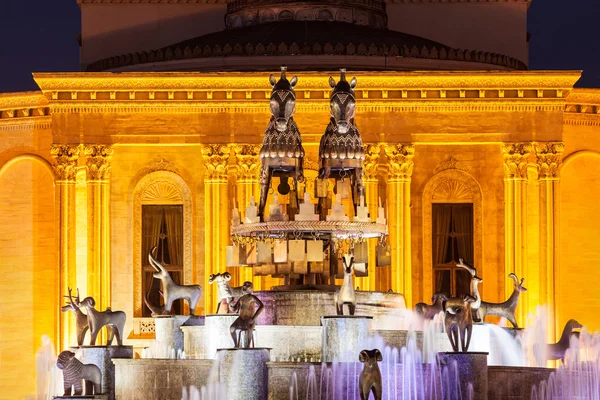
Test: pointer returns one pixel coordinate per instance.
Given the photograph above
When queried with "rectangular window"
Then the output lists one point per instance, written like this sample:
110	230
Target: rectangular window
162	227
452	239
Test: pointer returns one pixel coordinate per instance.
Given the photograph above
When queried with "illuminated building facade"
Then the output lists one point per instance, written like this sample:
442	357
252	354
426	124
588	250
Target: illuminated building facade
473	154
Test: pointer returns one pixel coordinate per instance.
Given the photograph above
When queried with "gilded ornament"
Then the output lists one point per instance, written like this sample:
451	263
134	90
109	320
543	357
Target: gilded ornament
549	158
371	162
247	161
400	160
515	157
216	159
98	158
65	160
451	163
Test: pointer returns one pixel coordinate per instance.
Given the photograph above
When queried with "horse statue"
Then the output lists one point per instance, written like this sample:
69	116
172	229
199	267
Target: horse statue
282	154
341	152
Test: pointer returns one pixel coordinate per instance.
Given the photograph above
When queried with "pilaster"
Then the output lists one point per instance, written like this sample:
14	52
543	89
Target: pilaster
516	157
97	164
216	216
65	168
549	159
400	167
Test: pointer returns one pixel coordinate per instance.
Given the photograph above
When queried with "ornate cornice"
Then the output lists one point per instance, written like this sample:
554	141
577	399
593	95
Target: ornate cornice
216	160
98	157
247	161
400	160
583	107
549	158
515	157
65	158
25	124
371	162
451	163
22	108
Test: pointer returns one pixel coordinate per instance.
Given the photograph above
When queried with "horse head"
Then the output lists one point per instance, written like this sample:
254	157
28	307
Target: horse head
342	102
283	99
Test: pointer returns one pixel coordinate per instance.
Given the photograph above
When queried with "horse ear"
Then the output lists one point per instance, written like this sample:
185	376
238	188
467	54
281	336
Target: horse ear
294	81
353	83
362	357
331	82
272	80
378	355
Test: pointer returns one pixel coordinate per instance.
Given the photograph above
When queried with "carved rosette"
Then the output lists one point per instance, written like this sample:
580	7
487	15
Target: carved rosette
216	160
549	158
515	157
247	161
400	160
98	157
65	161
371	162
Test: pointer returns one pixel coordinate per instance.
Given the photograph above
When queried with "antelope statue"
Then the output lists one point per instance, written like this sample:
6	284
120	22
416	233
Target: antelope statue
282	153
346	293
427	311
81	321
171	290
458	321
227	293
506	309
341	150
474	286
97	319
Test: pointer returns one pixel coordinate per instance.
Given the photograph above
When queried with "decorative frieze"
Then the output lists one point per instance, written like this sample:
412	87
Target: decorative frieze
400	160
247	161
516	156
216	160
549	158
451	163
98	157
65	158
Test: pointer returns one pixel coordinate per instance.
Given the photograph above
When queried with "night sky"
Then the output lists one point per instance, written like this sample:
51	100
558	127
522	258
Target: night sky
40	35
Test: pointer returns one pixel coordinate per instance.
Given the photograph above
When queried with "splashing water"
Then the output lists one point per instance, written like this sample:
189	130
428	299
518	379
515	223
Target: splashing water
213	390
160	350
49	378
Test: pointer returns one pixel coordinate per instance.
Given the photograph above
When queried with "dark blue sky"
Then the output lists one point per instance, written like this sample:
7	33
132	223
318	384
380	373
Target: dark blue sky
40	35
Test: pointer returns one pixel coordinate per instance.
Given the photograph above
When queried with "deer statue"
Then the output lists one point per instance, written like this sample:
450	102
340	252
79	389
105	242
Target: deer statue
173	291
506	309
556	351
97	319
282	153
81	321
370	377
458	321
474	286
427	311
346	294
225	292
341	150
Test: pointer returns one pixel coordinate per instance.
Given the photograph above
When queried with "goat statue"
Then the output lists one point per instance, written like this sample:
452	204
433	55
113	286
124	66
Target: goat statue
225	292
458	321
346	293
370	377
173	291
427	311
115	320
81	321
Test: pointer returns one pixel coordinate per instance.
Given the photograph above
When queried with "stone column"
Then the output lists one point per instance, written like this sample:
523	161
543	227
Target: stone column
371	184
98	157
247	169
400	166
216	217
65	169
549	158
515	156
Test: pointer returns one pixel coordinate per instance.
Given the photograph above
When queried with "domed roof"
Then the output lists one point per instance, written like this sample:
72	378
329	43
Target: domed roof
303	38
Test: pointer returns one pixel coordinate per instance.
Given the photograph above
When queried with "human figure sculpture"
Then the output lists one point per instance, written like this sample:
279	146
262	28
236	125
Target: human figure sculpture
427	311
171	290
556	351
115	320
246	322
341	152
458	321
225	292
74	372
81	321
282	153
346	294
370	377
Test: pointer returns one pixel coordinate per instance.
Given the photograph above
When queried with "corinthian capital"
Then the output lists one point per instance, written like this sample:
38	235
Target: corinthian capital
247	161
371	162
400	160
515	159
65	160
216	159
549	158
98	157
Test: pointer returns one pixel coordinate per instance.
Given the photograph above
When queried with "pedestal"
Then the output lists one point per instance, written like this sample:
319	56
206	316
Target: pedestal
344	337
90	397
244	372
102	356
216	333
472	370
167	330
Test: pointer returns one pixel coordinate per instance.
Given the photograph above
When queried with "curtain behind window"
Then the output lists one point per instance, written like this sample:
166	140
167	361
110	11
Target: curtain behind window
151	225
174	230
463	225
441	231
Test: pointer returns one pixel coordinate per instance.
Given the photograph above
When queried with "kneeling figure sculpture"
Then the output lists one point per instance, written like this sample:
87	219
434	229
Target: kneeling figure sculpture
74	371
